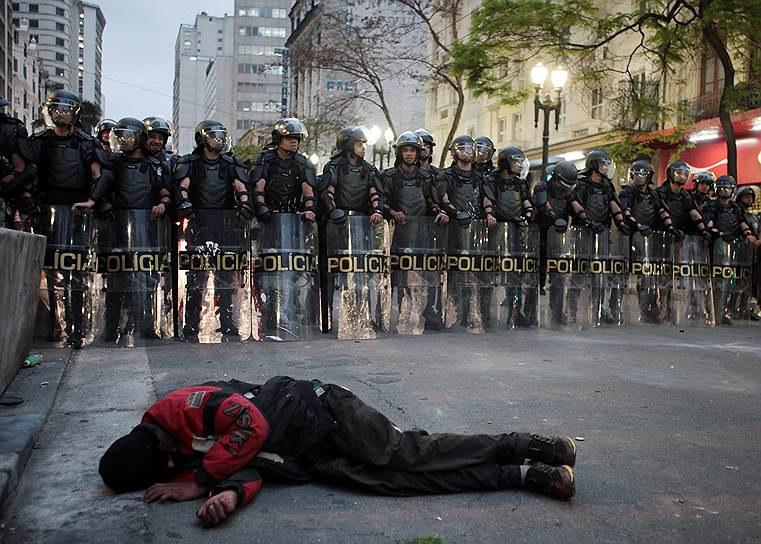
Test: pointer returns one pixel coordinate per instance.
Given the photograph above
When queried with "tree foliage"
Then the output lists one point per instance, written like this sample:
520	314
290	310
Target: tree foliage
604	49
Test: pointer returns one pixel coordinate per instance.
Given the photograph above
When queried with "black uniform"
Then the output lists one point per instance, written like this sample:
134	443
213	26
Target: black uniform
352	186
132	184
65	178
699	198
561	208
679	206
211	188
283	180
464	188
14	139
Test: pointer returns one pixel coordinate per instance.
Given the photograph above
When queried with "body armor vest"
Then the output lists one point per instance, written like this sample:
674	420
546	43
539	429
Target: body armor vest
283	188
462	189
726	219
678	205
135	186
597	205
642	206
753	222
352	189
407	193
509	204
211	186
559	203
61	169
699	198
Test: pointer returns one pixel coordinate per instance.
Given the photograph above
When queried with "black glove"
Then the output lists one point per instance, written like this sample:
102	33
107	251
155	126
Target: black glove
678	234
707	236
463	218
598	228
263	213
644	230
105	211
728	237
338	216
561	225
522	221
624	228
244	211
185	210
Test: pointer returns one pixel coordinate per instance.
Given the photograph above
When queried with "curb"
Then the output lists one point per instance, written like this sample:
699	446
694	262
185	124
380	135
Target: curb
20	425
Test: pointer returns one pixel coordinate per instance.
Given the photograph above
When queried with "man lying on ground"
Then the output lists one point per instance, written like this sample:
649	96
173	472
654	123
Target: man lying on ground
221	439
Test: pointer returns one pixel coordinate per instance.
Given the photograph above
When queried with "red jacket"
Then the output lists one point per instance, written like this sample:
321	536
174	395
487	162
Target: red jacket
224	427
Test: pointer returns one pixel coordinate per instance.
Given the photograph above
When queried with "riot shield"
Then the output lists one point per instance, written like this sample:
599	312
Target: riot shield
608	277
732	272
650	279
214	286
418	261
285	280
70	285
567	265
471	274
516	300
358	295
691	291
135	264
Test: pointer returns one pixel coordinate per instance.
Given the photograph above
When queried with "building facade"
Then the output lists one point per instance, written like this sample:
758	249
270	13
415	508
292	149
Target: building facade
589	118
28	87
69	37
6	37
230	69
328	98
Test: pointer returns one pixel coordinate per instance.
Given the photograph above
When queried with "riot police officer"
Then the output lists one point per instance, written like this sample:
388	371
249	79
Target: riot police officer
210	178
484	153
684	213
17	174
408	187
727	220
746	198
133	179
596	192
645	213
68	166
284	180
102	133
513	204
461	186
426	155
349	182
159	132
557	205
704	186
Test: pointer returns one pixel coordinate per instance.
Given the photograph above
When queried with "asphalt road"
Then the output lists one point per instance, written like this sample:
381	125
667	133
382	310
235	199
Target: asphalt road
670	421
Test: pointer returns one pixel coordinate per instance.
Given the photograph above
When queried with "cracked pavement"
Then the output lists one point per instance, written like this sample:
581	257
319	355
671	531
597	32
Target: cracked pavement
670	423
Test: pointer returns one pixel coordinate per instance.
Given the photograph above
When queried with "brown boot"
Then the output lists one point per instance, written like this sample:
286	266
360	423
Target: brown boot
554	451
557	482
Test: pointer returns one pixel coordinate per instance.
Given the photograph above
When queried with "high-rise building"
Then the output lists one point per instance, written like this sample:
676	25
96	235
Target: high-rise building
230	69
90	53
69	35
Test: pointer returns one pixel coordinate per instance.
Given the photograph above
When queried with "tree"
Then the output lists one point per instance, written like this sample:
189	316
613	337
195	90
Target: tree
508	34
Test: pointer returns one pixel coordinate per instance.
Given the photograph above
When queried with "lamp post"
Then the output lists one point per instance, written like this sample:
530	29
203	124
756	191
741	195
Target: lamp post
373	135
559	77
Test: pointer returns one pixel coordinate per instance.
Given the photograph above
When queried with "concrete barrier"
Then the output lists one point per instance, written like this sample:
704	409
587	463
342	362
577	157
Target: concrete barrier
21	258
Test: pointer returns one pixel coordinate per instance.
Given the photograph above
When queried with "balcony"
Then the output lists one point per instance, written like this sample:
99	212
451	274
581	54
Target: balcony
746	96
636	106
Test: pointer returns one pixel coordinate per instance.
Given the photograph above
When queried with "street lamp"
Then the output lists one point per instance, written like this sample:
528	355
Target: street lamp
558	78
314	159
373	135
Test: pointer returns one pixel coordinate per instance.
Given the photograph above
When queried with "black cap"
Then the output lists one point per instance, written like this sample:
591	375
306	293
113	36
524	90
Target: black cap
135	461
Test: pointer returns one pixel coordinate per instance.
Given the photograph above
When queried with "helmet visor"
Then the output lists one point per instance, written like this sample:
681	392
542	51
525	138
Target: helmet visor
217	139
124	140
680	174
61	112
483	152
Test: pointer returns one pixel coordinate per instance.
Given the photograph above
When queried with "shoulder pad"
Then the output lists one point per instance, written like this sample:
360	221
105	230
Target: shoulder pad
390	172
154	161
424	174
190	157
229	158
301	159
44	134
337	161
82	135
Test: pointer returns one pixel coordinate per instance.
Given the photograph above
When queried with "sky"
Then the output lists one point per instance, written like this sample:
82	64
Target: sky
138	52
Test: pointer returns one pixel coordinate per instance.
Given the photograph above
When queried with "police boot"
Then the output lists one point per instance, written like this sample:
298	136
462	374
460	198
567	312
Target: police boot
557	482
553	451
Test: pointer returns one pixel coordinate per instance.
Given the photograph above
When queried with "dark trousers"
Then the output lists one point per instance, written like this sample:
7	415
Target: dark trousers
224	285
367	450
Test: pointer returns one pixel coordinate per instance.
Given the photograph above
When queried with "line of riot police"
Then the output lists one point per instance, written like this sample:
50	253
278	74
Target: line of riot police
274	251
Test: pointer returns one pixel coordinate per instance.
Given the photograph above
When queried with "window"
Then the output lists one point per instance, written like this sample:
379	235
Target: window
244	124
34	8
60	42
34	23
59	57
265	31
60	27
502	130
15	6
270	13
256	50
596	110
517	126
711	73
267	69
60	12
